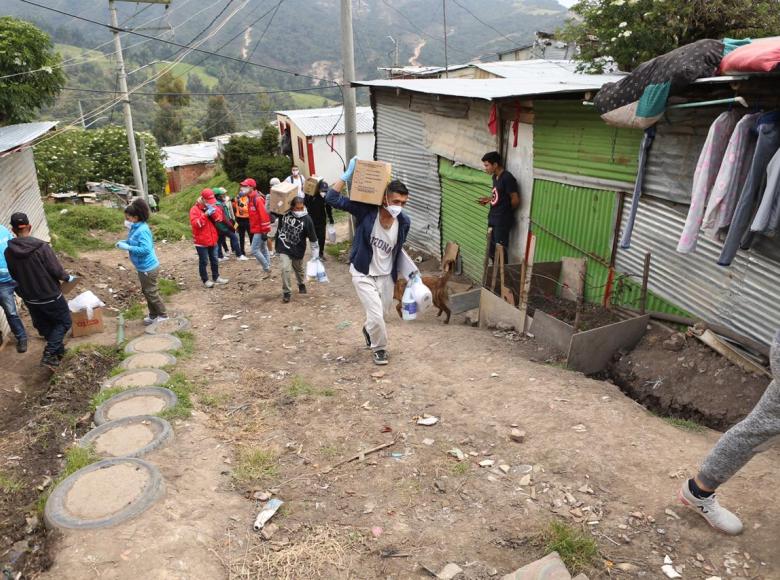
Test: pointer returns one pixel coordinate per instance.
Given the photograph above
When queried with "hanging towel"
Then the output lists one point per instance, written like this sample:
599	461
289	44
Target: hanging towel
644	149
707	169
768	214
731	176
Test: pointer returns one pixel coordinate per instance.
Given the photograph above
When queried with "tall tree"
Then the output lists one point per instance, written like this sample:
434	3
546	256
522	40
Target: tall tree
171	90
26	52
634	31
219	119
168	127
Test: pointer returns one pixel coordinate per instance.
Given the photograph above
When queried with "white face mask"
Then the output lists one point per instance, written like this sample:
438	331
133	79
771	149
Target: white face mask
244	190
128	224
394	210
300	214
295	173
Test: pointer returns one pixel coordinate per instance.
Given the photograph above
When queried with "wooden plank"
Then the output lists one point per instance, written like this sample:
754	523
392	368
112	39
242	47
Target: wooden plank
525	279
734	357
592	350
494	312
465	301
487	257
573	277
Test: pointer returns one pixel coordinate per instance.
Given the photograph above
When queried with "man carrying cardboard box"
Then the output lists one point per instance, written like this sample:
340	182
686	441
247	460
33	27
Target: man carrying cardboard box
380	234
38	273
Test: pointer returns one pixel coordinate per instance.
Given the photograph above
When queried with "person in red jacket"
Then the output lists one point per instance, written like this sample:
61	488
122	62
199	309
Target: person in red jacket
203	218
259	226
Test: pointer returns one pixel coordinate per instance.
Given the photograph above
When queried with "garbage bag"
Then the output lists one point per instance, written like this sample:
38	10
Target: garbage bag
85	301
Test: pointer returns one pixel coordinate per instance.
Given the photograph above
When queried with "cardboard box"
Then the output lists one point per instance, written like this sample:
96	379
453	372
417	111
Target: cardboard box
83	326
370	181
312	185
281	196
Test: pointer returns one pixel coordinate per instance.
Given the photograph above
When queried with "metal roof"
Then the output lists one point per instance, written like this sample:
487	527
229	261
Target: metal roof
524	79
189	154
328	121
14	136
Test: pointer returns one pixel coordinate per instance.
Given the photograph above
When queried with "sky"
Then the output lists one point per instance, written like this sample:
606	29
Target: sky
567	3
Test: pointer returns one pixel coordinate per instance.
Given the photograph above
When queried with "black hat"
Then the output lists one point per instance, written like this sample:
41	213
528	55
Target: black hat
19	219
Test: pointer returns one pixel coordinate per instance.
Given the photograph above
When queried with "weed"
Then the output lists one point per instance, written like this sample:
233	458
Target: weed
134	312
117	370
187	345
76	457
104	396
327	392
460	468
10	484
255	465
183	388
577	549
299	387
168	287
336	249
685	424
329	451
213	401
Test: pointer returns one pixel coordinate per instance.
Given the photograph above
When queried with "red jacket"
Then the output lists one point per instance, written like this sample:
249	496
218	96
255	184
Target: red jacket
204	232
259	222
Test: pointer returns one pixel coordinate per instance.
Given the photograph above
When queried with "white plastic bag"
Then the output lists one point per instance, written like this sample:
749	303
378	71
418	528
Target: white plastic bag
332	233
406	266
85	301
311	269
421	293
322	276
408	304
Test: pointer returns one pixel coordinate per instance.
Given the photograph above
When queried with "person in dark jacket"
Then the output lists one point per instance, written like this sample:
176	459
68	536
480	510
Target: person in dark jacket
379	237
321	214
38	274
295	227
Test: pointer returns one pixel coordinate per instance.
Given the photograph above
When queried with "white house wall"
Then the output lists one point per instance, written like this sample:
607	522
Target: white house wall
328	164
520	163
460	139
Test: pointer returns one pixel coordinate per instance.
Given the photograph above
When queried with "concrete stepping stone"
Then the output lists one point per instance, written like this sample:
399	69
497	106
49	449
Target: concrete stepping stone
149	360
168	326
135	402
137	378
104	494
153	343
129	437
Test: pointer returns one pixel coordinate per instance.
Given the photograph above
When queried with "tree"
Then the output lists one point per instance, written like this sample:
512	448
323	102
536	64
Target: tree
195	84
168	127
108	151
62	162
171	91
262	169
237	153
634	31
218	120
26	49
269	141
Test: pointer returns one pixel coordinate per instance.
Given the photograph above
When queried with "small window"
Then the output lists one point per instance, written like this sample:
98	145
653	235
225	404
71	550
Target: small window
301	150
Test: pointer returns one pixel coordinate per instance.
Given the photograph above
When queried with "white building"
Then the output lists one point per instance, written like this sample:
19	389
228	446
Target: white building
317	139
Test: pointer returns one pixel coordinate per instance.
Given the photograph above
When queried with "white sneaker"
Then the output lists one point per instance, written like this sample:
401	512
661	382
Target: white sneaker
148	320
243	258
224	258
221	280
208	284
716	515
161	319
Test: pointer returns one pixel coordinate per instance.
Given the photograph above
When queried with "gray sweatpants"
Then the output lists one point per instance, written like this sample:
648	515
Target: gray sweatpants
750	436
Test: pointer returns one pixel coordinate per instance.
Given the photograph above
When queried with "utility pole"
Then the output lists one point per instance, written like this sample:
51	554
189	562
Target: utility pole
348	57
137	178
81	116
395	51
446	60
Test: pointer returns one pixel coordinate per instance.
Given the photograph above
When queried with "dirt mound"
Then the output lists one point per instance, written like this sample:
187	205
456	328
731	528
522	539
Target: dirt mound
693	383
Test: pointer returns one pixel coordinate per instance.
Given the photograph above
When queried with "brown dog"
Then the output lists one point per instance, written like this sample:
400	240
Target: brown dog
438	287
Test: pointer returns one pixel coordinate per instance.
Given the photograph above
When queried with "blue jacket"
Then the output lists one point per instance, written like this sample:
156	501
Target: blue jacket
365	214
141	245
5	236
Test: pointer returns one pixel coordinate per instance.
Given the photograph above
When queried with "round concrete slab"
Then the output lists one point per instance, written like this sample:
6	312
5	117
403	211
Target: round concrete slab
104	494
135	402
149	360
153	343
129	437
137	378
168	326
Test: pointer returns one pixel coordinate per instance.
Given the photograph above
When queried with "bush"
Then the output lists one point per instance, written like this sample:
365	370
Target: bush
108	150
262	169
256	158
236	155
76	230
62	162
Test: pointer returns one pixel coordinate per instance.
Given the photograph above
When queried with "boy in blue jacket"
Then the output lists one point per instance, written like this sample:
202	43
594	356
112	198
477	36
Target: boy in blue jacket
140	245
380	234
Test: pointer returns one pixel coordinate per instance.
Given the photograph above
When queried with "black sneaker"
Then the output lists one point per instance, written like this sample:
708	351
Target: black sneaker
50	361
302	288
367	337
380	357
285	298
21	345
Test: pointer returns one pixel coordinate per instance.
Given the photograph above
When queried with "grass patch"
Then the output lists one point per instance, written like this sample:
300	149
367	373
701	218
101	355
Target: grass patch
187	345
168	287
299	387
255	465
336	249
10	484
104	396
174	209
77	230
685	424
577	549
76	457
460	468
213	401
134	312
183	388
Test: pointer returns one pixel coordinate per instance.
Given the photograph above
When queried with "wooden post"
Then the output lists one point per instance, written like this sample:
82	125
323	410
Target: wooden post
487	257
645	280
581	298
526	275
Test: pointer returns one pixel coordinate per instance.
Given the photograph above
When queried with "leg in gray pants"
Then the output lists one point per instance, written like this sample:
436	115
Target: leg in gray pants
290	265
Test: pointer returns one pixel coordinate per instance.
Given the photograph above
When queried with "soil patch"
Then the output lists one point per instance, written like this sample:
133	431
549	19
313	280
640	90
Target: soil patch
592	315
153	343
117	286
149	360
137	378
694	383
34	434
147	405
124	440
104	492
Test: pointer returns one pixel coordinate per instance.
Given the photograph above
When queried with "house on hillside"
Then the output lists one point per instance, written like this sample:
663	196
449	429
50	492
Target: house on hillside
521	69
316	139
186	164
545	46
19	189
576	177
224	139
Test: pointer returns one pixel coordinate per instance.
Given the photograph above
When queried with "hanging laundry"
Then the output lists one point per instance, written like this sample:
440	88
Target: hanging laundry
644	150
731	176
761	55
767	217
768	129
639	99
707	168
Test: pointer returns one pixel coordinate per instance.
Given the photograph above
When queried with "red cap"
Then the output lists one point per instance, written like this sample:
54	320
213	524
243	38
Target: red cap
208	196
249	182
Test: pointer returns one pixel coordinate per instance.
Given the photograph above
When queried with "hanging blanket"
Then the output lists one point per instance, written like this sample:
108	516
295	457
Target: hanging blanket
639	100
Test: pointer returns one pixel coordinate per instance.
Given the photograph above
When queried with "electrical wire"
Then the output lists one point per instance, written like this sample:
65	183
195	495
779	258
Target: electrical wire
199	94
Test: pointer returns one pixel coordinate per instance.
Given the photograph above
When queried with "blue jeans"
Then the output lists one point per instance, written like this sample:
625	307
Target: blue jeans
8	304
234	244
206	255
260	250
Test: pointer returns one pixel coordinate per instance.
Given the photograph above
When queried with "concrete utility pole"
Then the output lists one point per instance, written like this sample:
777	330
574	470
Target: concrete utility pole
137	178
446	59
81	116
348	57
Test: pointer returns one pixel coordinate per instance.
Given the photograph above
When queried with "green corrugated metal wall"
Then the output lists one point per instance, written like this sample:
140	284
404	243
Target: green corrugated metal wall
463	220
571	138
584	218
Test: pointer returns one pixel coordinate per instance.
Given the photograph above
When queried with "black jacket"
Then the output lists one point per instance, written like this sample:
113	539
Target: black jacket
318	209
35	268
292	234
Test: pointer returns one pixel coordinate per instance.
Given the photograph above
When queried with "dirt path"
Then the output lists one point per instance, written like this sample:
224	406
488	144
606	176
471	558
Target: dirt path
289	391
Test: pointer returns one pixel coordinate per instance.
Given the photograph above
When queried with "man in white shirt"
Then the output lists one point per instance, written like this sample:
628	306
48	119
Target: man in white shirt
297	179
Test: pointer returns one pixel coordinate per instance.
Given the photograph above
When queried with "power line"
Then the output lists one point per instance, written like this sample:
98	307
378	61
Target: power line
200	94
490	26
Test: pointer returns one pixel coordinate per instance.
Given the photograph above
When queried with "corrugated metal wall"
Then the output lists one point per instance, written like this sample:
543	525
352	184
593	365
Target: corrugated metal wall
571	138
464	221
19	192
400	140
744	296
575	222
